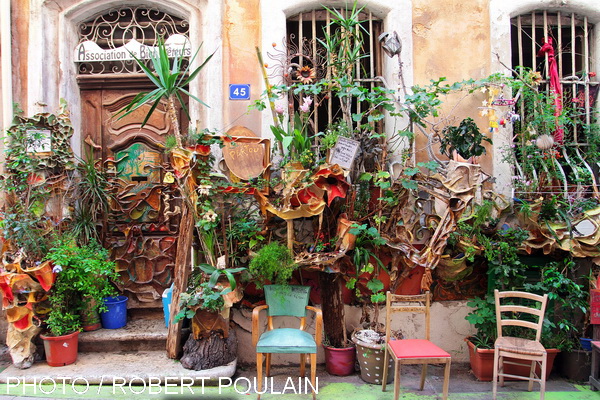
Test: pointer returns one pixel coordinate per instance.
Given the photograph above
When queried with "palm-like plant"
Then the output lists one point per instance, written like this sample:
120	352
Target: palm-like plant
170	79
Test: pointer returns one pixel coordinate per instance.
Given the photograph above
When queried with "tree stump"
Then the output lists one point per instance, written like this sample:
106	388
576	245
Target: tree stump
208	353
333	309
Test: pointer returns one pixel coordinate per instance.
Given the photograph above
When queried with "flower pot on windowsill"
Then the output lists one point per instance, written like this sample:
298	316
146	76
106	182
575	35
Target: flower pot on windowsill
61	350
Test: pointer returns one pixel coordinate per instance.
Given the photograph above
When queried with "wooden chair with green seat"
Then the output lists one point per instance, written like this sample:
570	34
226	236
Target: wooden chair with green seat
520	309
412	351
289	301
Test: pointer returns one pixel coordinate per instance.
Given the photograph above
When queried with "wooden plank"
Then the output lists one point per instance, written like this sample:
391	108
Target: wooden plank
181	272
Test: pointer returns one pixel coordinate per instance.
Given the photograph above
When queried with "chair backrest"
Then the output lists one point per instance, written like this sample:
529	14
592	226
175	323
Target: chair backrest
522	315
396	303
287	300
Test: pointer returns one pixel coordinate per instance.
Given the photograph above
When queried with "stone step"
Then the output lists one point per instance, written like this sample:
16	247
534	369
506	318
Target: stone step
145	331
112	367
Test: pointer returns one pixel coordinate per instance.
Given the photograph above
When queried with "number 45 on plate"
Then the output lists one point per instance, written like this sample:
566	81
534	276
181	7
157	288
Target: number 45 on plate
239	92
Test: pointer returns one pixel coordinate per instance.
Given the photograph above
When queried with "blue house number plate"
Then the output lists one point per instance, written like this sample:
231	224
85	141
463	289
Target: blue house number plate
239	92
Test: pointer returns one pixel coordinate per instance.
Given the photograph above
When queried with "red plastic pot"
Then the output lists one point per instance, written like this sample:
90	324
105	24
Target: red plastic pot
61	350
340	361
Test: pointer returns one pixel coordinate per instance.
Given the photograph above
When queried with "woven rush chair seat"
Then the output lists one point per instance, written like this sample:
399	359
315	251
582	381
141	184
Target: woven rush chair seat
520	346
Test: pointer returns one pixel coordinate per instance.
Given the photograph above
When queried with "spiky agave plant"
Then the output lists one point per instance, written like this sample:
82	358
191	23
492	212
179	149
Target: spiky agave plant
170	79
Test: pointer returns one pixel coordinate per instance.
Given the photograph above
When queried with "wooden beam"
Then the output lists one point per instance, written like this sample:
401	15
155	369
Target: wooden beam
181	272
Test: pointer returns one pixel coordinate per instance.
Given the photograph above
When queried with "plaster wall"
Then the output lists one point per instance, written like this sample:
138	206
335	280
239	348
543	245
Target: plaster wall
241	36
448	330
19	13
451	40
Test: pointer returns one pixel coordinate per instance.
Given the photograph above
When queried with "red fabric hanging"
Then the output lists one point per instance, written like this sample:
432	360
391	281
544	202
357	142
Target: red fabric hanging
555	87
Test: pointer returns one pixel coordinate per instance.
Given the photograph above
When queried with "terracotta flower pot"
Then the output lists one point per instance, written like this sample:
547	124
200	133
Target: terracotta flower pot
340	361
482	364
61	350
90	318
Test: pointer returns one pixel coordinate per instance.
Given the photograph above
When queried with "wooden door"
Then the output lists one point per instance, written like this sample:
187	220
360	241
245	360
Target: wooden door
142	226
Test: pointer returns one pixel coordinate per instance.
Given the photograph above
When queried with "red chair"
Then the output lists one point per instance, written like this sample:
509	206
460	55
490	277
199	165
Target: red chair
412	351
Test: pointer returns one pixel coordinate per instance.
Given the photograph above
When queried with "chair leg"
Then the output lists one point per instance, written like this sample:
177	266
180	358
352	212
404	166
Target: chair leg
495	376
501	370
268	368
446	380
543	377
259	365
396	380
302	365
531	376
385	370
313	372
423	375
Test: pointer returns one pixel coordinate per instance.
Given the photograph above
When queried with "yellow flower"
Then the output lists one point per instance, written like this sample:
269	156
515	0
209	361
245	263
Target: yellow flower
306	74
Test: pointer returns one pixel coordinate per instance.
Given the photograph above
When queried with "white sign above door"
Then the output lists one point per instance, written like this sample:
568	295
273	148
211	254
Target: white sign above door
88	51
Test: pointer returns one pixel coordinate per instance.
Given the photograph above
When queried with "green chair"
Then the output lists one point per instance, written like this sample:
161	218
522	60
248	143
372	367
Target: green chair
290	301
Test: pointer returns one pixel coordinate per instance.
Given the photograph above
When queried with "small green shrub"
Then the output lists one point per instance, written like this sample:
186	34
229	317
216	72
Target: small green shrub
273	263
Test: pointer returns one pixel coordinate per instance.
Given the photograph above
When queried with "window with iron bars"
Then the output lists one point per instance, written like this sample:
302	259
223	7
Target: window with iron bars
571	165
308	58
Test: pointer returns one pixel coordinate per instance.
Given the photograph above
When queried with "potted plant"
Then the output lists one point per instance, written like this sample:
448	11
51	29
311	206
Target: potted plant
61	338
207	303
83	277
465	139
566	299
273	264
566	316
369	341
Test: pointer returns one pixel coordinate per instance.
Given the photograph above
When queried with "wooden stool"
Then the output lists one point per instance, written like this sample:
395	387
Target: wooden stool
595	377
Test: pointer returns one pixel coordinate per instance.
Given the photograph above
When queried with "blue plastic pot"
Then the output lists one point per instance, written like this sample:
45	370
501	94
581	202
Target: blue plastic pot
166	300
586	344
116	316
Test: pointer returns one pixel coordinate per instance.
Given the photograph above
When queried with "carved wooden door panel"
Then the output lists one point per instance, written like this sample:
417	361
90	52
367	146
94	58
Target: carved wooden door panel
142	226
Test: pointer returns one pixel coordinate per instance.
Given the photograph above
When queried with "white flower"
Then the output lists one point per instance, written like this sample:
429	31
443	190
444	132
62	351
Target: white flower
307	100
304	107
210	216
204	190
57	268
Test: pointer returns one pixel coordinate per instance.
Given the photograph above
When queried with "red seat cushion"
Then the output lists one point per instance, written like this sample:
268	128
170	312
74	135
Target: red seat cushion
416	348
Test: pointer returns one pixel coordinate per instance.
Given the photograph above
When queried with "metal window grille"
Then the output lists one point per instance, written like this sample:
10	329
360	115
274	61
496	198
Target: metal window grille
303	33
572	37
118	26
